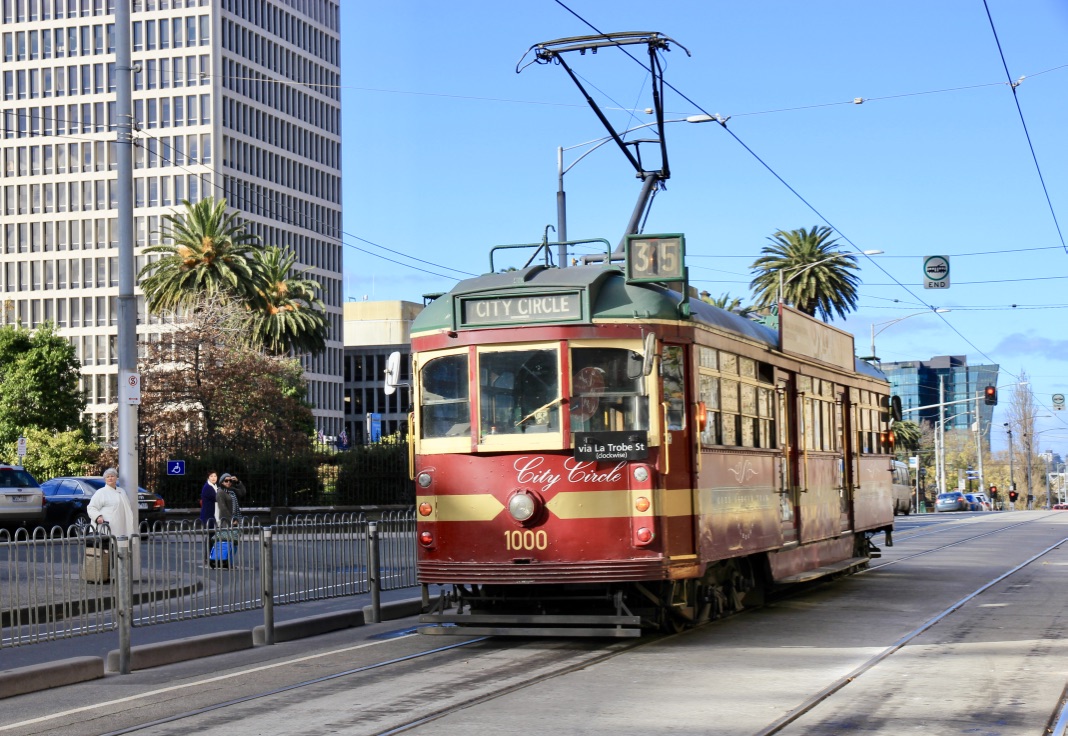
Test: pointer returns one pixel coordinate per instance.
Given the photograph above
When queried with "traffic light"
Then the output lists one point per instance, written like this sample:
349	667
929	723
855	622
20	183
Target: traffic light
993	491
990	395
1012	496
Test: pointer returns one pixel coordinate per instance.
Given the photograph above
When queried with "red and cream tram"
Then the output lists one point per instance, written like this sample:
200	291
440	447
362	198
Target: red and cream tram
595	453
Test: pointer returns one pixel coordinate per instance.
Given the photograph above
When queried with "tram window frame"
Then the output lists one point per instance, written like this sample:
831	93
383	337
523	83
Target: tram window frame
822	423
868	422
552	436
740	400
453	440
621	382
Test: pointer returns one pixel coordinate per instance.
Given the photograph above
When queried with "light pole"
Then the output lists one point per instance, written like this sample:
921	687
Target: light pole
801	269
1029	443
886	325
1012	475
561	196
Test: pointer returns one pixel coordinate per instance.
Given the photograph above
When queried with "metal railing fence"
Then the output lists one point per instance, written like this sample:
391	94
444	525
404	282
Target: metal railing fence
51	586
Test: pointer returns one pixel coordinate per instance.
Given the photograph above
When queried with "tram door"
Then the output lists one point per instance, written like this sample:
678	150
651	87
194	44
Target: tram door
676	451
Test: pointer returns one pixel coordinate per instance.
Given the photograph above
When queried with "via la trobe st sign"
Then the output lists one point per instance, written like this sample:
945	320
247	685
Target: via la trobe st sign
936	272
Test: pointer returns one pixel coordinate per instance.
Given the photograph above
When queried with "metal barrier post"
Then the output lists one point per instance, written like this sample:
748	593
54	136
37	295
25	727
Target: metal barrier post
267	568
124	573
373	573
425	596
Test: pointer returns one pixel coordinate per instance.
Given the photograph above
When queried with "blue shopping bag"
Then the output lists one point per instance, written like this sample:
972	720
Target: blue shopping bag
220	553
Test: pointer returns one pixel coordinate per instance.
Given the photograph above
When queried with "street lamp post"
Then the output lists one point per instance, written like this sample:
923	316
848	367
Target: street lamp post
801	269
561	196
1012	474
886	325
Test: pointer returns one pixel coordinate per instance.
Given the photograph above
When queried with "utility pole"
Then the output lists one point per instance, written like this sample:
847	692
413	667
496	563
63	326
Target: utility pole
1012	475
942	434
129	381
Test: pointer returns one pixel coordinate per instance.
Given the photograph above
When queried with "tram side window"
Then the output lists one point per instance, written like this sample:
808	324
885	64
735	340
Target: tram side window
519	391
820	416
673	373
739	400
446	408
607	391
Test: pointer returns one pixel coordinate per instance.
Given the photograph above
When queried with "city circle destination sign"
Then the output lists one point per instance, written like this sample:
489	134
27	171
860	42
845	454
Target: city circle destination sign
936	272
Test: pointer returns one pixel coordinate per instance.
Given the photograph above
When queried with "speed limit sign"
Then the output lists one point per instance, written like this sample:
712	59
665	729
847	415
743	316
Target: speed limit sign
130	388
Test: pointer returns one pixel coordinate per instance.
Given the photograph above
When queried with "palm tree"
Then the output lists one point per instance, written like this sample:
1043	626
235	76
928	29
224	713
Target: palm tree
906	435
827	288
209	255
727	302
287	313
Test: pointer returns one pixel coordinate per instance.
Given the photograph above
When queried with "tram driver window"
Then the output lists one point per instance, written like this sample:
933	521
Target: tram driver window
445	406
519	392
607	391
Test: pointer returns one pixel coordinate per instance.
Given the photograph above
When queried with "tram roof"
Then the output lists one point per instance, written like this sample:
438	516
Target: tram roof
611	297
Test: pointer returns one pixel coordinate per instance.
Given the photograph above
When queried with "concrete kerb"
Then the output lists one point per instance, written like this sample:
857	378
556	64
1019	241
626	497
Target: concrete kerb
79	669
47	675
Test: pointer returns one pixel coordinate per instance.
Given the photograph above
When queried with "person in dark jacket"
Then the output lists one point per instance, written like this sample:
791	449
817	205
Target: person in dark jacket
229	499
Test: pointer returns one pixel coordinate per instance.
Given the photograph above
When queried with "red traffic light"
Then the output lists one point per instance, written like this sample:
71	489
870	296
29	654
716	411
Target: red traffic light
990	395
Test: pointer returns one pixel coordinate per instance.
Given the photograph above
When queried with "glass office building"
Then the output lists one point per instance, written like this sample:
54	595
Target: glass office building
917	383
235	99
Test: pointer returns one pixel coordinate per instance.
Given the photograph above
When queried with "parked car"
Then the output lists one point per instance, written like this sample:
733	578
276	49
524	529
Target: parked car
1060	507
974	504
67	498
984	502
952	501
21	498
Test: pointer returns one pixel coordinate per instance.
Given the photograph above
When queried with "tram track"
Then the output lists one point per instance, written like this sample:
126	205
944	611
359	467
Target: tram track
993	532
1059	716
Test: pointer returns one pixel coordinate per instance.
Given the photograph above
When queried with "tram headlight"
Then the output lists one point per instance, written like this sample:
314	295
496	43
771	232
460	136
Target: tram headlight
642	504
423	480
425	509
644	535
426	539
522	506
641	473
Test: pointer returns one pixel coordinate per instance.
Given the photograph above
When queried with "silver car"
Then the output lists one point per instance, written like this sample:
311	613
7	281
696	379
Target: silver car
952	501
21	498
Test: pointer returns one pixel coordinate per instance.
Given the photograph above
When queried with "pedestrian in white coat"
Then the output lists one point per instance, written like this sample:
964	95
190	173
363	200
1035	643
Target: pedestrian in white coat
110	505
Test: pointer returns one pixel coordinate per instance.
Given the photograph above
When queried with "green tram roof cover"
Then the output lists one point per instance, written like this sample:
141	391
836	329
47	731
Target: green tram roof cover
605	295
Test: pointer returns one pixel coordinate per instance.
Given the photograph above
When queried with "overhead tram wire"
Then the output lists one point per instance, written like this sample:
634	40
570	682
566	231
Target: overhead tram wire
723	125
339	240
1019	110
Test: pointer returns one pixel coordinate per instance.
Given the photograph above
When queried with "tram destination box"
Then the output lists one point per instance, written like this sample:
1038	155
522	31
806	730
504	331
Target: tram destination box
611	446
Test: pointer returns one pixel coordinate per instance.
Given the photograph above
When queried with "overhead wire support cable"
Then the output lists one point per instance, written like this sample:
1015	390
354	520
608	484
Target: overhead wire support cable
1013	84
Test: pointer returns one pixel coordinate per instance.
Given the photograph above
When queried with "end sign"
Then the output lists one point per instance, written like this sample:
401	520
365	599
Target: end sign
936	272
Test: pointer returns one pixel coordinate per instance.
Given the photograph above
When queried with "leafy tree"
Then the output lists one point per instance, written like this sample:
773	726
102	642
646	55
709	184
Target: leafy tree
39	374
828	288
289	315
206	253
204	380
907	435
51	454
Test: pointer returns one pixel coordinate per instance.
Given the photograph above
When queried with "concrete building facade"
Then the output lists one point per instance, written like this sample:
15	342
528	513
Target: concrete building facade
235	99
373	330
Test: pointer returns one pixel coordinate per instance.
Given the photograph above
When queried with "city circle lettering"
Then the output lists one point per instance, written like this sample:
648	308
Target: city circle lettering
523	309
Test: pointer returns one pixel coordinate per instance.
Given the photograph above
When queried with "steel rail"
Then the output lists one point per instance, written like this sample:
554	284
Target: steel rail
810	704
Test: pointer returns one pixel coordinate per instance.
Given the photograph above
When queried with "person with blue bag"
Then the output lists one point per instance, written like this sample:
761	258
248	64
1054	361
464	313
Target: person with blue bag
228	504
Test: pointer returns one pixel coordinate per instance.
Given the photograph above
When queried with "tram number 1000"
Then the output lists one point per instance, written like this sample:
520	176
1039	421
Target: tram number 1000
525	539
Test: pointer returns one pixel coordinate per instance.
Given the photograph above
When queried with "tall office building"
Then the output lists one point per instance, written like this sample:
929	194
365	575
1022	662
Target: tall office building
231	98
917	383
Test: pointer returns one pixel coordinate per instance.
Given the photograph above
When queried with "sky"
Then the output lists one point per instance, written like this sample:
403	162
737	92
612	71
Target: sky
447	151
